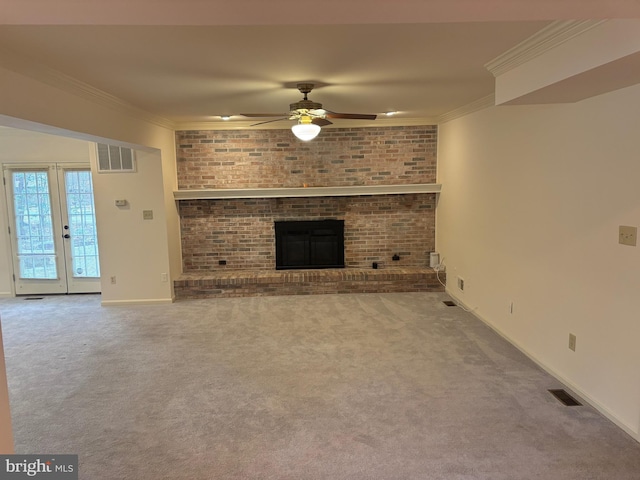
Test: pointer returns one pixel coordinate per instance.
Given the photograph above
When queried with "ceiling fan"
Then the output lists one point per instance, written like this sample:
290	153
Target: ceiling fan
310	115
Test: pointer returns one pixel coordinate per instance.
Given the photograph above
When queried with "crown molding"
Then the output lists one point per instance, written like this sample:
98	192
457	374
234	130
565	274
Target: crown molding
25	66
546	39
480	104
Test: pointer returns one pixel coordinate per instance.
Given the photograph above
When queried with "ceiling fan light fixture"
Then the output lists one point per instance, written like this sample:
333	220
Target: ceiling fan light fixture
311	116
305	130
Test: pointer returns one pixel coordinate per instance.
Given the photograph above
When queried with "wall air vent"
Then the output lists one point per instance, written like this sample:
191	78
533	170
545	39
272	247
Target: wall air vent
114	159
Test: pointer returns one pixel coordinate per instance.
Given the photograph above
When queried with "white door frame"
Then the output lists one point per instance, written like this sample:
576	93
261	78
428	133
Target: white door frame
65	281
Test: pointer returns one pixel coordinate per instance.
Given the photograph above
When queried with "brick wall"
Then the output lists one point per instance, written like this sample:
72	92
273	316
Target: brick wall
241	231
337	157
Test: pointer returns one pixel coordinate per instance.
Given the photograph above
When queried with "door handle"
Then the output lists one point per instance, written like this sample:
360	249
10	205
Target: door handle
66	235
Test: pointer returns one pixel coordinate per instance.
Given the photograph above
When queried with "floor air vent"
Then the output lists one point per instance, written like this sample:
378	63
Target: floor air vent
449	303
565	398
34	298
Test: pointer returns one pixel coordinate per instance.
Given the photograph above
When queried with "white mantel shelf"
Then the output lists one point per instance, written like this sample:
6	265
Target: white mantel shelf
223	193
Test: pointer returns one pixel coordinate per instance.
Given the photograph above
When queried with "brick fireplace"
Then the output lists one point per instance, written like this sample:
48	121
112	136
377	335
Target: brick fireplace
226	235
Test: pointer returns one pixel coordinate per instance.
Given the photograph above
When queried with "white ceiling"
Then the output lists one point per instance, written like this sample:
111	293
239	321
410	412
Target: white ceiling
194	60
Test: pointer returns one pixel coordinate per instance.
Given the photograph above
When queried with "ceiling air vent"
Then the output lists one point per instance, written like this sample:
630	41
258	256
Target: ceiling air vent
112	159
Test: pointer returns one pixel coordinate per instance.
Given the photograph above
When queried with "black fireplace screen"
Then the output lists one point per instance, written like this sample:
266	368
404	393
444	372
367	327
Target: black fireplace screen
310	244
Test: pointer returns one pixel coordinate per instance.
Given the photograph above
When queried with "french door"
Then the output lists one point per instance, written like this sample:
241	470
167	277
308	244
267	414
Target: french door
53	229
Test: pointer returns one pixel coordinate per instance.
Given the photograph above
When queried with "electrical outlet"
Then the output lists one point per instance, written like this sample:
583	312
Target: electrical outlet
572	342
147	214
461	284
164	277
113	280
627	235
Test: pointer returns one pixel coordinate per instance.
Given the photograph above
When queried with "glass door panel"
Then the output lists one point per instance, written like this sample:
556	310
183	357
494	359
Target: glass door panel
36	252
80	234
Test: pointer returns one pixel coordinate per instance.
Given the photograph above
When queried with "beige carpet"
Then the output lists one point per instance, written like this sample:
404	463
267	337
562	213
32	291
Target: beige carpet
371	386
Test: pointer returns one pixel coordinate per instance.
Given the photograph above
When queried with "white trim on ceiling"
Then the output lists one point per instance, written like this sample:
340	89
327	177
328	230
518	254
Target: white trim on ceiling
54	78
480	104
546	39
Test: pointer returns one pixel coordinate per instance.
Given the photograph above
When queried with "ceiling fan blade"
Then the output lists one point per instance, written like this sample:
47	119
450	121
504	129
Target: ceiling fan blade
269	121
261	115
351	116
321	122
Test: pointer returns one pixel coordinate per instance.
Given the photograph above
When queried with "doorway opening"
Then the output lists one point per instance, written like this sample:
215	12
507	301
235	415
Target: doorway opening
53	229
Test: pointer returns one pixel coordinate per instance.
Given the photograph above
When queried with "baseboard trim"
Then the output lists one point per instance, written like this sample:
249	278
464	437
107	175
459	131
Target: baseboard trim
145	301
562	379
6	295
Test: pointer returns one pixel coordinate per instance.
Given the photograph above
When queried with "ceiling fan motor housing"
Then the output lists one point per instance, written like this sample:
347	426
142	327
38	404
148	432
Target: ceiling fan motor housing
305	105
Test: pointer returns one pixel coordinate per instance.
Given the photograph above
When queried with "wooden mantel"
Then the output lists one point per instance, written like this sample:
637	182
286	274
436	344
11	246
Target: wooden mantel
224	193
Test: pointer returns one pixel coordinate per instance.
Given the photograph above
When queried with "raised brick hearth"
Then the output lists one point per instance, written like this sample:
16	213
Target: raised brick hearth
240	283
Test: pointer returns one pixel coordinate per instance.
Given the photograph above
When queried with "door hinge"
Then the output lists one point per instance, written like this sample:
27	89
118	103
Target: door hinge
9	228
14	277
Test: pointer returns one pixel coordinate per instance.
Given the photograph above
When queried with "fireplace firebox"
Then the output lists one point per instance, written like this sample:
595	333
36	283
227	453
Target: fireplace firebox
309	244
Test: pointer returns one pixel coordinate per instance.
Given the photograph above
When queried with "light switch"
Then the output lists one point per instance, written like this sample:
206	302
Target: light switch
121	203
147	214
628	235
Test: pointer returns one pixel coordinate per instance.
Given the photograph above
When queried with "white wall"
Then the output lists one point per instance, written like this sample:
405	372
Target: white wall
25	102
6	433
20	146
133	249
531	202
